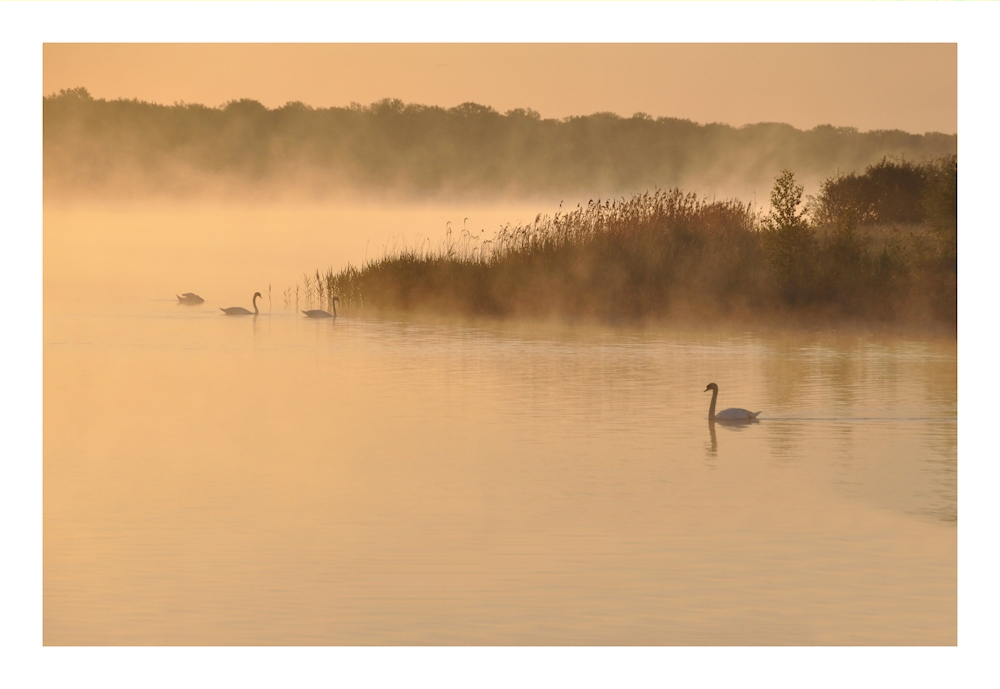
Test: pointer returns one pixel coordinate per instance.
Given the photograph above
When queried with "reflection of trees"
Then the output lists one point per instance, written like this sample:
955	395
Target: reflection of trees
391	145
940	376
943	467
864	403
786	372
797	368
784	440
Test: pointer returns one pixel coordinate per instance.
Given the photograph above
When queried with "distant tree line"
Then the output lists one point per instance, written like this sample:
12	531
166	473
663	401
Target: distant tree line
133	147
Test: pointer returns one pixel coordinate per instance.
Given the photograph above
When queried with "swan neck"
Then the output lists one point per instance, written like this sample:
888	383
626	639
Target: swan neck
334	309
255	311
711	407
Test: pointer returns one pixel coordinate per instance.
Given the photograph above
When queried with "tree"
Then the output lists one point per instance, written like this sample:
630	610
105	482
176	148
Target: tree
786	197
788	239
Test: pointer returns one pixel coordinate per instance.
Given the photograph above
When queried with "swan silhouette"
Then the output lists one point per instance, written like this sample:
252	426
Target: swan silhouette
731	414
320	313
240	311
189	298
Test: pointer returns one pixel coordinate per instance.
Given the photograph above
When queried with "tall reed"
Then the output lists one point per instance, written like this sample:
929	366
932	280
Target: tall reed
663	255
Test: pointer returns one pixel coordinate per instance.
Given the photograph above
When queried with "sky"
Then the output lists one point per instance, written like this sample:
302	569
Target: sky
908	86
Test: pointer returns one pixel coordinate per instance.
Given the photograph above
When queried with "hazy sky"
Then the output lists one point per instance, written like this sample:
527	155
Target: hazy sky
912	87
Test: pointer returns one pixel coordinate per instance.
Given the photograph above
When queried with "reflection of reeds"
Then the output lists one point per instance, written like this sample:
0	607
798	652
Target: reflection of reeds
655	255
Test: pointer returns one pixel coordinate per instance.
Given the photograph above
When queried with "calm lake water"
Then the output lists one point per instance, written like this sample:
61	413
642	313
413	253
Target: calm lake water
278	480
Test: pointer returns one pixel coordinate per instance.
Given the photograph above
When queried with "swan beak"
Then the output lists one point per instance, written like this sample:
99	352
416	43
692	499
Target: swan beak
706	389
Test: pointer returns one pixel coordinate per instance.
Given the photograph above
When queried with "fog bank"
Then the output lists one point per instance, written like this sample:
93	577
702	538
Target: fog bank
127	149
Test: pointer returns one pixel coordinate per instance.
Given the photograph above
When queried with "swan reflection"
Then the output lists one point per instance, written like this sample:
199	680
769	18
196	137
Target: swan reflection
730	425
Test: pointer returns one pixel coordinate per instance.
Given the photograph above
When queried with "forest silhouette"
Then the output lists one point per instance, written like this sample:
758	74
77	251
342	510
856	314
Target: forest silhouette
128	148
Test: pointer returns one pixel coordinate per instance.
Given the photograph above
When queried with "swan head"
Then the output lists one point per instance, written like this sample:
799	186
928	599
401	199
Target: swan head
257	294
336	298
712	386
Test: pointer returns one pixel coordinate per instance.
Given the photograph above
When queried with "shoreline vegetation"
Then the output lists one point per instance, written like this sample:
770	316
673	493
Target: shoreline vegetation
878	246
875	247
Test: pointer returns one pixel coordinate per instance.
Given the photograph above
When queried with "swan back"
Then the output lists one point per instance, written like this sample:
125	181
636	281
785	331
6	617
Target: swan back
236	311
731	414
736	414
240	311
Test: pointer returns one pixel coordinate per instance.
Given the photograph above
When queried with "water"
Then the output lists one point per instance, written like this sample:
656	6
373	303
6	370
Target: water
278	480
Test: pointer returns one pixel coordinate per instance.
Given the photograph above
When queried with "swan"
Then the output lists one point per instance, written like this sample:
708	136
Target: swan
240	311
732	414
320	313
189	298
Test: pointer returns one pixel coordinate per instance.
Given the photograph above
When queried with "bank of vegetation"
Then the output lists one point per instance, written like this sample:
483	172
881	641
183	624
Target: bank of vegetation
126	148
873	246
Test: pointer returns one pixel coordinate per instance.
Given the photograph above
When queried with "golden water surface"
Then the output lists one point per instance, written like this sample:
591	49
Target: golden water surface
278	480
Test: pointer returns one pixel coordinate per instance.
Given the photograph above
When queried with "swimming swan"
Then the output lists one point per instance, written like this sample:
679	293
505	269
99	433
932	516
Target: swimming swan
732	414
240	311
189	298
320	313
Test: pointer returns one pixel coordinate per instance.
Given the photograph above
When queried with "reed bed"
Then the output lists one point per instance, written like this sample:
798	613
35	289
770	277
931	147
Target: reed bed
661	255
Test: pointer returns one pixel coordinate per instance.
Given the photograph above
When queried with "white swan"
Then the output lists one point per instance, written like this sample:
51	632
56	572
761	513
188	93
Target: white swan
320	313
189	298
732	414
240	311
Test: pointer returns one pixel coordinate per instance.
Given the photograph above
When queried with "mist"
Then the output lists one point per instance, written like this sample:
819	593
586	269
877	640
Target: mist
469	211
126	149
501	436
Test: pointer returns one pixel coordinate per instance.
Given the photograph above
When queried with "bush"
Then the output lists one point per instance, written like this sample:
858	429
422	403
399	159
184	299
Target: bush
888	192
